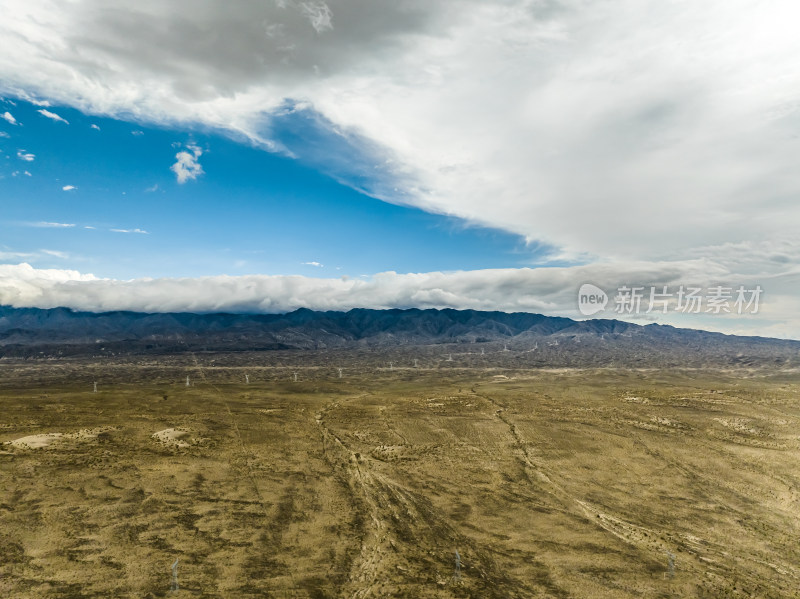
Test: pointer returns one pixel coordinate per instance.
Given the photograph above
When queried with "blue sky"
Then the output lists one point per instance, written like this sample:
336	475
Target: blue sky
249	211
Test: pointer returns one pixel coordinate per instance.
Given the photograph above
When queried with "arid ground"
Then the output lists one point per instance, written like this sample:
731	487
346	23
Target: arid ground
549	483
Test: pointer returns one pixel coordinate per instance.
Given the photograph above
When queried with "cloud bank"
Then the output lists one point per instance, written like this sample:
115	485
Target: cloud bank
551	291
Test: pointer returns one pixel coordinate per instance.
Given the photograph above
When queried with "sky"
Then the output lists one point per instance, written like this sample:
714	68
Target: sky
209	155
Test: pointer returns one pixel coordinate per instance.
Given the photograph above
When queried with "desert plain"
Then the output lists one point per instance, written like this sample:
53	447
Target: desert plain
276	474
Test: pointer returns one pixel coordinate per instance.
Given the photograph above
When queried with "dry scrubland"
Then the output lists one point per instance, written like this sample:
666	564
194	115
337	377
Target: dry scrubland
550	483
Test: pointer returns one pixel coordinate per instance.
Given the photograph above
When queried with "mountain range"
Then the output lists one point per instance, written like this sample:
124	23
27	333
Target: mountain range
535	339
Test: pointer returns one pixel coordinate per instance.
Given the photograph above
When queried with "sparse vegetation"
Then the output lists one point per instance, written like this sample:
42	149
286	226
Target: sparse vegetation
549	483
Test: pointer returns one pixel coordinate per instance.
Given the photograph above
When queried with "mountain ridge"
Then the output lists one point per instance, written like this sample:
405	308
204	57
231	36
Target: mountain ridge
27	332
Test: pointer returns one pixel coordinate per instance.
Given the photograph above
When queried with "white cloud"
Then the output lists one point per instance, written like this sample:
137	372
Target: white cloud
22	284
551	291
563	113
319	15
69	187
6	255
26	156
9	117
137	133
152	189
93	126
187	166
51	225
32	255
313	263
52	116
29	98
55	254
4	134
140	231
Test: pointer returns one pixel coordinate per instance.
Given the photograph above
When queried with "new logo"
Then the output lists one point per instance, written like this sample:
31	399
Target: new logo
591	299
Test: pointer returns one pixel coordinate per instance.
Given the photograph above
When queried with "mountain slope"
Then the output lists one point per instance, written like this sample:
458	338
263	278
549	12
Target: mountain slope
60	331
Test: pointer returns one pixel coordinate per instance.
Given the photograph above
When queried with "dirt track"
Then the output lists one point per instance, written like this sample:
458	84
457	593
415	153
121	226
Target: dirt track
548	483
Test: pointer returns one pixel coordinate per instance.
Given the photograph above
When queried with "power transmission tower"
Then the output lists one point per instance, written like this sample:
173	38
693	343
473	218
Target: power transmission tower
174	576
457	571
